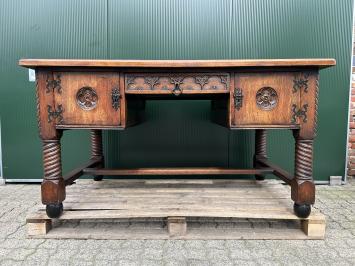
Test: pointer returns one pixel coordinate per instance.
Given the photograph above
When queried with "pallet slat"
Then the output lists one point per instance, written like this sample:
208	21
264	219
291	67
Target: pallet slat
175	201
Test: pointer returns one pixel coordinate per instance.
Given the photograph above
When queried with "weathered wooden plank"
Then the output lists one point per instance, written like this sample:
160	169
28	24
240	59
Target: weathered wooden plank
314	227
177	201
150	190
169	207
146	199
176	226
132	213
39	227
146	233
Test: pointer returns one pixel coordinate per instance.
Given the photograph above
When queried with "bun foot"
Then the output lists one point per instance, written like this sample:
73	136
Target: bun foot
54	210
302	210
259	177
98	177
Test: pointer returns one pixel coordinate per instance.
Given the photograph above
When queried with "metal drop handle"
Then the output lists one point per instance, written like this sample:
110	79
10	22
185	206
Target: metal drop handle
177	90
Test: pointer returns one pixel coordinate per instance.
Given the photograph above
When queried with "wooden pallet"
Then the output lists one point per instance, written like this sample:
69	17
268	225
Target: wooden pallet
177	202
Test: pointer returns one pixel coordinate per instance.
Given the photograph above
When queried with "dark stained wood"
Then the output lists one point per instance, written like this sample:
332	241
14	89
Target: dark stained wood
278	171
309	98
45	98
251	84
302	186
99	110
260	149
77	172
176	84
244	94
316	62
177	171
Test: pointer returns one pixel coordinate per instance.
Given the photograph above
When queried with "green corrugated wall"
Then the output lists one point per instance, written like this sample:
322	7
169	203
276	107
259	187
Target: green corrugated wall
176	133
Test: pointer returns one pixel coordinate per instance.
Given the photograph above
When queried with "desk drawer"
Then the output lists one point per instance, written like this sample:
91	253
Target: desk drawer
269	99
89	99
177	83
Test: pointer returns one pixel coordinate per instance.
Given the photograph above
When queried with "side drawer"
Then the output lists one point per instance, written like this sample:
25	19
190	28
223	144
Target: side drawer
177	83
88	99
267	99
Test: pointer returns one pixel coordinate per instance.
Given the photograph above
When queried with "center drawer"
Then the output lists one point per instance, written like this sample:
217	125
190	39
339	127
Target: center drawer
176	83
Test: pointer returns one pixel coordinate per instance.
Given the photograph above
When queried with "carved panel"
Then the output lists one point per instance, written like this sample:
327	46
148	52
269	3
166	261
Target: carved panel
238	98
301	112
86	98
90	99
266	98
301	82
55	114
53	83
115	97
177	83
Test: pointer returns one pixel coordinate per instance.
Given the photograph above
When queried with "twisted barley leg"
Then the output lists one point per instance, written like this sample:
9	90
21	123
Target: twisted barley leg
260	149
53	186
96	149
302	187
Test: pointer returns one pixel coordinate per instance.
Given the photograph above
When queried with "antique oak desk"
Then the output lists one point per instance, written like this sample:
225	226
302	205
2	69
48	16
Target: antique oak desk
244	94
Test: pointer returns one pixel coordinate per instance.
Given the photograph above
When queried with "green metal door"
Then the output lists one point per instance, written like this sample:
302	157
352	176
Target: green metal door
177	133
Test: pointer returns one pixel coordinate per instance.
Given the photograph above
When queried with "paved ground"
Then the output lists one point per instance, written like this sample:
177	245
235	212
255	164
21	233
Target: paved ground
337	203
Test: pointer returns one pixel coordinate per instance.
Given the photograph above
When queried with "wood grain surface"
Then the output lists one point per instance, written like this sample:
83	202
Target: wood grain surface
316	62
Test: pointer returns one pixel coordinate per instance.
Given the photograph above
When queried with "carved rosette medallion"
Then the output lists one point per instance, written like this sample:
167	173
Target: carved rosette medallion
266	98
86	98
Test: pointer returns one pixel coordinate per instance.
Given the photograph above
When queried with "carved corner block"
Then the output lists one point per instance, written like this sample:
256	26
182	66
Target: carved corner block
53	191
303	192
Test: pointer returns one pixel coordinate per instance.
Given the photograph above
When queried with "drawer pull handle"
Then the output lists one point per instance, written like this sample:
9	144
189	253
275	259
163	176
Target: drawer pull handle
238	98
177	90
116	96
176	81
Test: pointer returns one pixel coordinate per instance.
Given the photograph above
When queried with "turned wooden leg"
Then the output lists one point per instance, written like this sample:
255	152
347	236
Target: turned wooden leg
53	186
302	186
260	149
96	149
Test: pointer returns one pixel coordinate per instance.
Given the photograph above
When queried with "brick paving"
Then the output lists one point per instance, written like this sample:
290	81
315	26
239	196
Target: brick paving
337	203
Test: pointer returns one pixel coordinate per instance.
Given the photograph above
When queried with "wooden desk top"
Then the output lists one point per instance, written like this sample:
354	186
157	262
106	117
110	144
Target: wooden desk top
317	63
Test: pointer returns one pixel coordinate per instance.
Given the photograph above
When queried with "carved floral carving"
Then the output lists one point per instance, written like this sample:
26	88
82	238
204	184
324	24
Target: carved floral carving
300	83
86	98
266	98
183	81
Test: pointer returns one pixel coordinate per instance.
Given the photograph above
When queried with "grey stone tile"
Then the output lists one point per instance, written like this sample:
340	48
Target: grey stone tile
196	244
196	262
19	254
337	249
152	254
243	254
61	262
133	244
9	262
80	262
149	262
218	254
174	262
216	244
